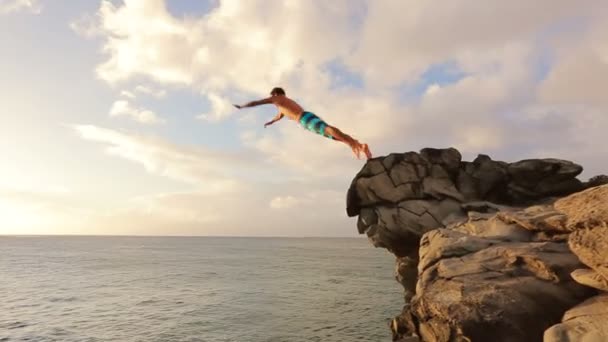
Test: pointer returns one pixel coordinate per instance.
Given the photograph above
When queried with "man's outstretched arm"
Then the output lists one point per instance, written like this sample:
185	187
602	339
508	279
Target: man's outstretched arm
255	103
275	119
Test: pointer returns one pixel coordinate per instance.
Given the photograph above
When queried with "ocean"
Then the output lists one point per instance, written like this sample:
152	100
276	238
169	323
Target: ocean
208	289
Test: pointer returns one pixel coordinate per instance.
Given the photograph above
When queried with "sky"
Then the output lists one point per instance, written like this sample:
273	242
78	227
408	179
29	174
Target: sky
117	116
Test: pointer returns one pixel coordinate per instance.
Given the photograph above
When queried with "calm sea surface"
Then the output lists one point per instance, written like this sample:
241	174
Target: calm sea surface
195	289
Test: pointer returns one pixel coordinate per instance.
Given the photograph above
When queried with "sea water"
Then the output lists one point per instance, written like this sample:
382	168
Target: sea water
195	289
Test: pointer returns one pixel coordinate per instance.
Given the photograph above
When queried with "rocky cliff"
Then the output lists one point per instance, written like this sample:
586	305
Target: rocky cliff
489	250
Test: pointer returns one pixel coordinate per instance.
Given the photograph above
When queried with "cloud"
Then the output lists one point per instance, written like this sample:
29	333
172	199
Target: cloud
579	74
423	74
142	89
283	202
220	108
12	6
222	48
128	94
230	193
124	108
307	200
243	213
234	48
432	32
212	171
158	93
87	26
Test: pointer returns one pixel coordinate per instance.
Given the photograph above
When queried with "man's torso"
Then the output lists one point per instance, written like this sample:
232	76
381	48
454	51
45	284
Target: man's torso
288	107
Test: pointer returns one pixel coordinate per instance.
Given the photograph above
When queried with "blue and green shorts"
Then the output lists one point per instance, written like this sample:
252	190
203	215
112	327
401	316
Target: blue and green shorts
314	124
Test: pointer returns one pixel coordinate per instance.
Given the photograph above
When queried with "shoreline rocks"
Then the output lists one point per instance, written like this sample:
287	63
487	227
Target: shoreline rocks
484	249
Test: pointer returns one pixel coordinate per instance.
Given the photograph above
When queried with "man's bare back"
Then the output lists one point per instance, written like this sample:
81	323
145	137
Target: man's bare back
292	110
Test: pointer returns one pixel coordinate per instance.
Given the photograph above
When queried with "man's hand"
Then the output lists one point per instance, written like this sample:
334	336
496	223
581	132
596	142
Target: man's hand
278	117
238	106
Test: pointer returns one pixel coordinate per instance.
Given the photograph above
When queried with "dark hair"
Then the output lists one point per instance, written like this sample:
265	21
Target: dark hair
277	91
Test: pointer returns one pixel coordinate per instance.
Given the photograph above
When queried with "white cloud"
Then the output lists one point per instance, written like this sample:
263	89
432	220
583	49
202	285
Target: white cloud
158	93
463	31
231	193
308	200
250	47
212	171
283	202
124	108
87	26
236	45
225	47
12	6
579	74
502	104
433	88
245	212
146	90
126	93
220	108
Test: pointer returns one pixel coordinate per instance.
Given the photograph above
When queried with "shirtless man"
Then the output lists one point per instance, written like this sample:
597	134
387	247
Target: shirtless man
288	107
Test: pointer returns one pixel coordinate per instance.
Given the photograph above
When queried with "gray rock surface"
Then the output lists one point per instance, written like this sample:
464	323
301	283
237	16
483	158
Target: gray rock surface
483	248
400	197
497	288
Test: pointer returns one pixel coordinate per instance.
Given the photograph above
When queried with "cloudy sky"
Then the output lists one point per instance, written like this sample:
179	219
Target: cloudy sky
116	115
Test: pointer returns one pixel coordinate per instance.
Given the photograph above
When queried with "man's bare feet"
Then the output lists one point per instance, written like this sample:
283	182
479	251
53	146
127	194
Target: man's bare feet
366	150
356	150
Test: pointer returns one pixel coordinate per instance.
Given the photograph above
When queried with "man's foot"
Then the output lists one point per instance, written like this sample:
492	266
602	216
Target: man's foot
356	150
366	150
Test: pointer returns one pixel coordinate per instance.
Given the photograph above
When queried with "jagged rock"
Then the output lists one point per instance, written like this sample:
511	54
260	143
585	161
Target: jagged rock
587	208
537	218
448	158
590	278
438	178
596	181
531	172
493	226
585	322
591	247
486	289
406	274
482	247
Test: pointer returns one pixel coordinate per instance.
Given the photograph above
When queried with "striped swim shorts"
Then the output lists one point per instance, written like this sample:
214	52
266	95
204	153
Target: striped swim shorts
314	124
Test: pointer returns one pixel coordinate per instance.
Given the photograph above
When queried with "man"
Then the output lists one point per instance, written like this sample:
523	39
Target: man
288	107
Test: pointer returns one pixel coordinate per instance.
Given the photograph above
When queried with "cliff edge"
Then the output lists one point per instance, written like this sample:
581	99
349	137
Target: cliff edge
489	250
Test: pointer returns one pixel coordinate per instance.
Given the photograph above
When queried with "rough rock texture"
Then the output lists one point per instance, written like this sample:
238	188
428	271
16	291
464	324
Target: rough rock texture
402	196
482	247
590	278
586	322
591	247
480	287
587	212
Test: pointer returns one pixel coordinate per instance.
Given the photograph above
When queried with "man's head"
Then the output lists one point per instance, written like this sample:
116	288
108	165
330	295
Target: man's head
276	91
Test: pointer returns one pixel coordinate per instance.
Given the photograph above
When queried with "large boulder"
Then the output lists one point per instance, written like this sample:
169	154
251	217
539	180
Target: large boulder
591	247
587	213
400	197
500	287
585	322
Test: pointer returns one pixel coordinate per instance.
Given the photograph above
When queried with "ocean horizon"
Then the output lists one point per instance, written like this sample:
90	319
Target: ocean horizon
201	288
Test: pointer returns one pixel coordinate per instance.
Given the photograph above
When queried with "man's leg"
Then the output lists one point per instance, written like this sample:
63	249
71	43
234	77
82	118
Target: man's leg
356	146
